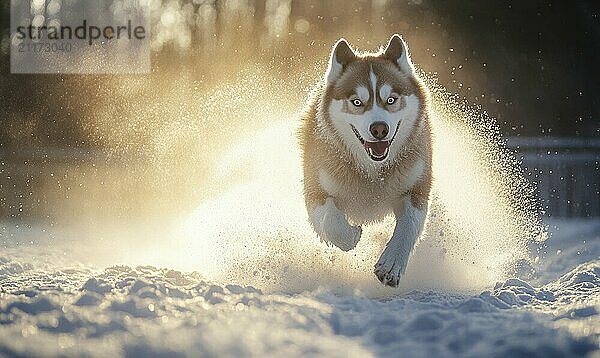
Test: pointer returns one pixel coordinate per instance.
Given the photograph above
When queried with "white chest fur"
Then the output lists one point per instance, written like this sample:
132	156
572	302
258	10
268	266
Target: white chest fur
368	200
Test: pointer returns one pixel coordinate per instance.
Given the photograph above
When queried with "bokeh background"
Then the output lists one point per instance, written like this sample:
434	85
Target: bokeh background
89	149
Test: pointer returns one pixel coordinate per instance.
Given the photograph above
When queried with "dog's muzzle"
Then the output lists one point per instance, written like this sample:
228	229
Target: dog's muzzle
377	151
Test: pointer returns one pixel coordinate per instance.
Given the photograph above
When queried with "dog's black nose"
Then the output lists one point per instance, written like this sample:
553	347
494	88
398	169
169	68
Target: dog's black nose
379	130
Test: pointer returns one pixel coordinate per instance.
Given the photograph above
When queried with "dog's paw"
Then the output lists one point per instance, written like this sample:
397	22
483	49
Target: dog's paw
387	277
389	270
332	226
353	234
345	237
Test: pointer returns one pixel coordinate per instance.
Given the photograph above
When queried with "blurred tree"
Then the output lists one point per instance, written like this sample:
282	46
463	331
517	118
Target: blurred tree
531	64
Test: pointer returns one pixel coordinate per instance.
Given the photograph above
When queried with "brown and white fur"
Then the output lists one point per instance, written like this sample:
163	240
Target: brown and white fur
367	152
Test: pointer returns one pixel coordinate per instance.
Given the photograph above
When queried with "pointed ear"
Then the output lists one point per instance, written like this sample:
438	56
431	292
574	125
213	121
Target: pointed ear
341	55
397	51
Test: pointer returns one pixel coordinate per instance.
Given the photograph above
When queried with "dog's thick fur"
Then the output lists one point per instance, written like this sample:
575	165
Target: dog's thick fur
351	177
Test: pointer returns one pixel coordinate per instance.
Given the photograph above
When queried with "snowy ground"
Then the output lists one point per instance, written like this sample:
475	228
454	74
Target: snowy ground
51	305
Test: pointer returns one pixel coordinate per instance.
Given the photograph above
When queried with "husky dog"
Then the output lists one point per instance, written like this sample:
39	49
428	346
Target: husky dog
366	146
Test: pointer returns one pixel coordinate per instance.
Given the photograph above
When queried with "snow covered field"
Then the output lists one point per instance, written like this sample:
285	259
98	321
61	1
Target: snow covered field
53	305
244	275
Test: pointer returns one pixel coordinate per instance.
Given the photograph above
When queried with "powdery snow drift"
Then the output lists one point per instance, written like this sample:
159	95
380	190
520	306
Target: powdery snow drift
52	306
243	274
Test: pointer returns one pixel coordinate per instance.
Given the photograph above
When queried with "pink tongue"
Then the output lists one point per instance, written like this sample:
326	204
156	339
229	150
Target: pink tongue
378	147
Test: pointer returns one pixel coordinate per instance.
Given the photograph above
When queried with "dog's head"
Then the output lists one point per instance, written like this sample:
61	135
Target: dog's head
373	101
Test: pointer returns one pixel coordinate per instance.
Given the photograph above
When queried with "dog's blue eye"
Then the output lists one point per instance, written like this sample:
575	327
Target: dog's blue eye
391	100
357	102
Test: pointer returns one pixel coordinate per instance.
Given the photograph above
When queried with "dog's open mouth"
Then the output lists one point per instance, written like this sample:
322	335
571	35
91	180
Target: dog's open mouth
377	151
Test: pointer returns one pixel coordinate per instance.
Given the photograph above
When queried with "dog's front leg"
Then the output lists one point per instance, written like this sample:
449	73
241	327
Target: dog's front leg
331	225
394	259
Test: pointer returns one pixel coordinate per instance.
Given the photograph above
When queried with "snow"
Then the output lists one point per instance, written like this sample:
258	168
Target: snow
245	275
52	304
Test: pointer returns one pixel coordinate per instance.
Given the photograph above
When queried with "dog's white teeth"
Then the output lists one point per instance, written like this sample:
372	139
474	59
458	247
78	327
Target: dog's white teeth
377	156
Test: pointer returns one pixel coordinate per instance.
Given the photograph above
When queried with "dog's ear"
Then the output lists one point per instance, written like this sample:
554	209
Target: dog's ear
341	55
397	51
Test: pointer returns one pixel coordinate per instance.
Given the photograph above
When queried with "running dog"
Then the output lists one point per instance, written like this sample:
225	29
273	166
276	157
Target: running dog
366	146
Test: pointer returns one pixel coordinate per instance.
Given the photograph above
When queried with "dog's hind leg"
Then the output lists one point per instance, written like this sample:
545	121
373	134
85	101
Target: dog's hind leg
331	225
394	259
